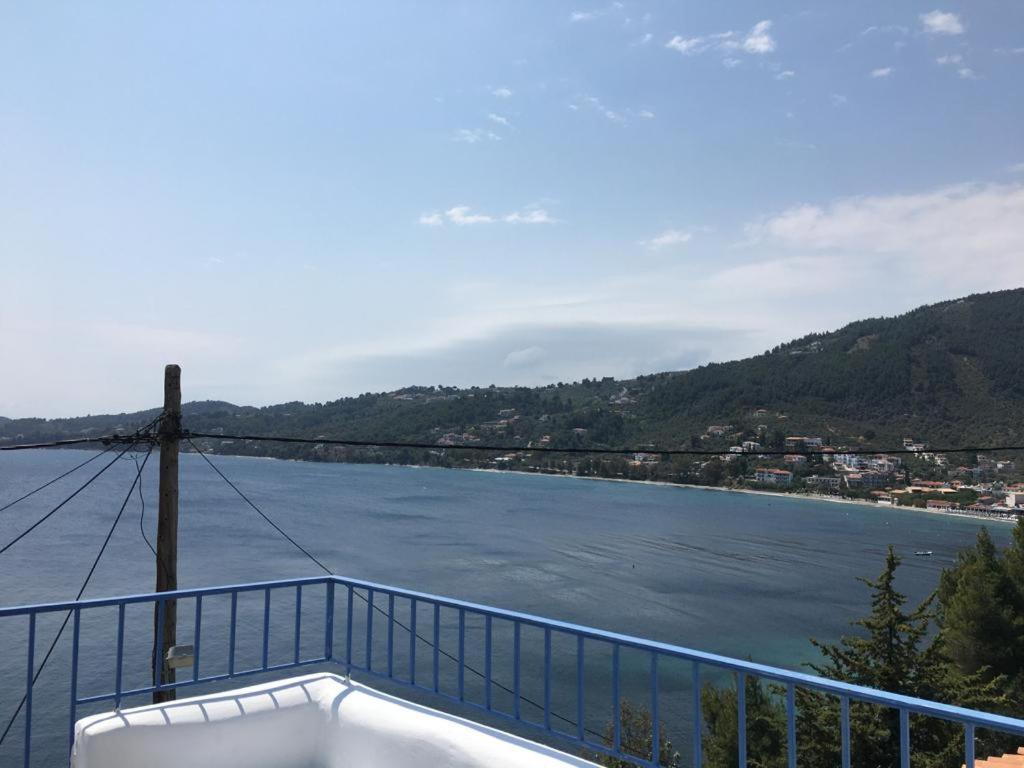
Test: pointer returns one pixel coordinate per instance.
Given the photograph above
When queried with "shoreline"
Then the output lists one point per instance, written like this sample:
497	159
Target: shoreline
749	491
657	483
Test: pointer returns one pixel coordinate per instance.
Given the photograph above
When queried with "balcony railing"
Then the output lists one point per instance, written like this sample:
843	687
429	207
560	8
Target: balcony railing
563	681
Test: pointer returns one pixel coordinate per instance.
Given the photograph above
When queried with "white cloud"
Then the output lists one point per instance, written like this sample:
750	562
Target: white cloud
463	215
460	215
667	239
966	73
838	99
499	119
881	72
578	16
950	58
646	38
785	74
596	104
1016	168
686	46
474	135
947	233
730	63
502	93
646	114
941	23
759	40
529	216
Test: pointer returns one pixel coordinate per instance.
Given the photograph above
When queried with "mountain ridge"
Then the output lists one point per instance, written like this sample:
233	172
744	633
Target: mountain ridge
947	372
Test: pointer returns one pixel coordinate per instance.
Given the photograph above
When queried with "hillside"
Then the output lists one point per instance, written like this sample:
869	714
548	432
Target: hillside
946	373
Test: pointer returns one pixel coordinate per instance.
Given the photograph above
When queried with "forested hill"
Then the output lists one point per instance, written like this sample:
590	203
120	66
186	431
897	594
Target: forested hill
946	373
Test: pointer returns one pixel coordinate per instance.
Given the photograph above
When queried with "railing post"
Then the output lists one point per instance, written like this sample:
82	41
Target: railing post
791	725
741	718
698	720
329	623
75	634
844	727
904	738
29	679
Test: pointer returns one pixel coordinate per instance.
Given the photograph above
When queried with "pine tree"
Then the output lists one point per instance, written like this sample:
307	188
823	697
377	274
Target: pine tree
981	609
766	726
890	655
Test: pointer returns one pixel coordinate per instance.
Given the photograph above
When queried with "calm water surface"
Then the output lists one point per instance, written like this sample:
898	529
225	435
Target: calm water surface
743	575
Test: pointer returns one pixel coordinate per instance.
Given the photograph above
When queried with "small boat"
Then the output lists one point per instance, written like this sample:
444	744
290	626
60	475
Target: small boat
923	553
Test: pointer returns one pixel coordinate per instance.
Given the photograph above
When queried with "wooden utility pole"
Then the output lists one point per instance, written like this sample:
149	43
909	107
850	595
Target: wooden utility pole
167	532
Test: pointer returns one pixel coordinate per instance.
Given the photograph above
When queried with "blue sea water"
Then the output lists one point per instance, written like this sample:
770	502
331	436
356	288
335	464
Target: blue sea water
737	574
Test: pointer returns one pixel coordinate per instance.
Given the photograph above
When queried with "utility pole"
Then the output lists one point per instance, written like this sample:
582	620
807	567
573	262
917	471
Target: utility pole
167	532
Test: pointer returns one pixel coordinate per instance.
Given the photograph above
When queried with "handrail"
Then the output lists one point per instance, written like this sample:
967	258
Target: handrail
341	602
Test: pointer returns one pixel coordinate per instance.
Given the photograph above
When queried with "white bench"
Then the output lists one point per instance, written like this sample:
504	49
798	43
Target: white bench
314	721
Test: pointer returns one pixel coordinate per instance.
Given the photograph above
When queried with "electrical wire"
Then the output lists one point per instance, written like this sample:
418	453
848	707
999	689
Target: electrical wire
142	514
611	451
53	511
69	441
59	477
375	607
81	591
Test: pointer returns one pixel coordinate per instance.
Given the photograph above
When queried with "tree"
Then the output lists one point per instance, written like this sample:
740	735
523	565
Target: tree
981	610
636	737
766	726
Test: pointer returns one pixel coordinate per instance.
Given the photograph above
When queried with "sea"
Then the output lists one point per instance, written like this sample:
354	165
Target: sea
748	576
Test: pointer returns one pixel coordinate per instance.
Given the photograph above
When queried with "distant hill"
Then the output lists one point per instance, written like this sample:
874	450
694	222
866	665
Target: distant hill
946	373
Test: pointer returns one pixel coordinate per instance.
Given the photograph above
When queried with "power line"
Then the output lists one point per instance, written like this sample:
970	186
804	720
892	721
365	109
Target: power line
376	608
609	451
53	511
142	513
81	591
58	477
75	441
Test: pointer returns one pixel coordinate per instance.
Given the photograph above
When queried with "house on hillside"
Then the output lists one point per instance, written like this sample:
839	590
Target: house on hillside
777	477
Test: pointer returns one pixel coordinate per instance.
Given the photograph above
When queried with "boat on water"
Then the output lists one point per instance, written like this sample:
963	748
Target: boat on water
923	553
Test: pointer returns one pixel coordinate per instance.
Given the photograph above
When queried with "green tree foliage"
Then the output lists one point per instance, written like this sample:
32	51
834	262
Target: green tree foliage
894	650
636	737
766	726
981	610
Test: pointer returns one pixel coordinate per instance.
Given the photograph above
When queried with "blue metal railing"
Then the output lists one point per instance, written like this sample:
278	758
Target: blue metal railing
474	630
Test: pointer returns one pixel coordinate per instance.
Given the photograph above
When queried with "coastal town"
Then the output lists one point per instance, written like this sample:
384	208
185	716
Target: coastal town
974	484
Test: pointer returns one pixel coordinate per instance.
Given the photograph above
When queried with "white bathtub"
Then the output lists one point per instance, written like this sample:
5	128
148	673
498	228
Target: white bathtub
314	721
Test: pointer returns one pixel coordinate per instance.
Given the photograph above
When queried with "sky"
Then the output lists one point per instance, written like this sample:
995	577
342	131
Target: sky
307	200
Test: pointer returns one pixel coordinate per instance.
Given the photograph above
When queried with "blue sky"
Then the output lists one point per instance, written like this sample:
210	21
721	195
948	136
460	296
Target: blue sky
307	200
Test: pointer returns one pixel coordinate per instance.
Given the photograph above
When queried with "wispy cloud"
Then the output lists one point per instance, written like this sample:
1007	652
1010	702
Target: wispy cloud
667	239
502	92
951	58
646	114
757	41
941	23
474	136
881	72
966	73
499	119
941	230
1016	168
785	74
838	99
579	16
529	216
464	215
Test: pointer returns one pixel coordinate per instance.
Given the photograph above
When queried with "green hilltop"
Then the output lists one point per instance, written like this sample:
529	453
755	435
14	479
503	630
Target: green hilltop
947	373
